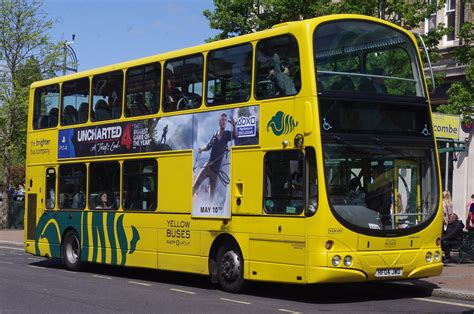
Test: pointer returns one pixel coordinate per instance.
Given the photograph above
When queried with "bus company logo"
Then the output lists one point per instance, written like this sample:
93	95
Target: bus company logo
246	126
282	123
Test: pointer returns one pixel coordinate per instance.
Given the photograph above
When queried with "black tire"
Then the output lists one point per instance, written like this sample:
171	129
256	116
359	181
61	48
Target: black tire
230	268
71	251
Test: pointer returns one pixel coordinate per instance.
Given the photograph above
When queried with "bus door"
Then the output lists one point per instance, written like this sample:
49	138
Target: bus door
278	243
406	209
35	198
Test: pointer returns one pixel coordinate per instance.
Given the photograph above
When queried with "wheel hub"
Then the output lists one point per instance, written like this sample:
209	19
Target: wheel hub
72	250
230	266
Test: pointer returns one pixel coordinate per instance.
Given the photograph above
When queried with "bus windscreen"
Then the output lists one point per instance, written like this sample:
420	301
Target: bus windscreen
365	57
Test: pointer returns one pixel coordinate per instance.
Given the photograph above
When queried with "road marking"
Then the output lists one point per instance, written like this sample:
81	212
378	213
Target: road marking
235	301
139	283
1	254
33	266
68	271
9	263
102	277
34	258
444	302
15	253
11	248
182	291
288	311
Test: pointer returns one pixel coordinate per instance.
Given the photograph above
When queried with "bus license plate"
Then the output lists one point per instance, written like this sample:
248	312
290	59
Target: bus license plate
389	272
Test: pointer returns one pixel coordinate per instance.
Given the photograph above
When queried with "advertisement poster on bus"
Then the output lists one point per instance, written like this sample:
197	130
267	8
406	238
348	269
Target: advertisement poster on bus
210	135
214	134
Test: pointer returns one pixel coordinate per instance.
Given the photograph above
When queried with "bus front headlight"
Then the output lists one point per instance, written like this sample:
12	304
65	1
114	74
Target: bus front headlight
347	260
436	256
429	257
336	260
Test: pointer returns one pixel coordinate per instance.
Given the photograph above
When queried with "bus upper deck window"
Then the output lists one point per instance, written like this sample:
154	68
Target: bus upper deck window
142	93
75	102
46	107
367	58
229	75
107	96
277	67
183	83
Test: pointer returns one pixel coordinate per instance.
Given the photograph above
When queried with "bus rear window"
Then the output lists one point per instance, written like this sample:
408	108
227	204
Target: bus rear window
46	107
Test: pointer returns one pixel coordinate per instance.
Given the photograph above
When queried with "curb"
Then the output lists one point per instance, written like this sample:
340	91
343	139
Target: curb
12	243
453	294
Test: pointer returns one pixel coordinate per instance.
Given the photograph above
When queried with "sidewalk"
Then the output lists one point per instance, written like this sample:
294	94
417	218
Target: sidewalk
456	281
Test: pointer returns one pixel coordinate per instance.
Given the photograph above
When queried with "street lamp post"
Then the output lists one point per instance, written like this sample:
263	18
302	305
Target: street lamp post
69	52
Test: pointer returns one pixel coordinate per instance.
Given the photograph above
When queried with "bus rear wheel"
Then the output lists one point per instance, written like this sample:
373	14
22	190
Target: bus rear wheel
71	251
230	268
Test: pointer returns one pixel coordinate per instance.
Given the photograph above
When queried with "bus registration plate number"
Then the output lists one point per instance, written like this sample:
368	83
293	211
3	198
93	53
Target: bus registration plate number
389	272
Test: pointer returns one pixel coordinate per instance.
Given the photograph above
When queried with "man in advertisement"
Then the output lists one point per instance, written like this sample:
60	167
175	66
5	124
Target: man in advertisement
218	147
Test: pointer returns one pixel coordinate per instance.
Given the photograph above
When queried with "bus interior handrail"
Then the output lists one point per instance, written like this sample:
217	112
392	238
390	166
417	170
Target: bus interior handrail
367	75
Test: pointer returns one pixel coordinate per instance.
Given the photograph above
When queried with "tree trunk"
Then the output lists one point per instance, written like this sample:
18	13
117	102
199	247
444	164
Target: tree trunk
5	208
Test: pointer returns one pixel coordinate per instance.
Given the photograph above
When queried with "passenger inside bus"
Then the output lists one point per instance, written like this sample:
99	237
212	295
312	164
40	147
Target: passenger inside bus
343	83
280	73
138	107
379	194
83	112
115	105
102	201
53	117
69	115
171	93
102	111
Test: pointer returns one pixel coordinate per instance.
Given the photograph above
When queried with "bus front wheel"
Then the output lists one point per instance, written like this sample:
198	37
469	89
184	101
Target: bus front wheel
71	251
230	268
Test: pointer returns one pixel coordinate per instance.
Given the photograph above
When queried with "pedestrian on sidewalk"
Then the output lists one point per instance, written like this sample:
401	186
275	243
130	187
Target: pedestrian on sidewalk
452	237
470	214
447	207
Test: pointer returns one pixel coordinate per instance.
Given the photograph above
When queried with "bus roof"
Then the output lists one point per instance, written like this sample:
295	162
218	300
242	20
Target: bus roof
278	29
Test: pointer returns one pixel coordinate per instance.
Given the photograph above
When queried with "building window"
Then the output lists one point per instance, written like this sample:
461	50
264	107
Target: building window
451	19
431	22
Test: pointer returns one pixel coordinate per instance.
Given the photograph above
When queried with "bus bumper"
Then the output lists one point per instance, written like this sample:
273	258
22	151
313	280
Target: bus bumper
330	274
426	271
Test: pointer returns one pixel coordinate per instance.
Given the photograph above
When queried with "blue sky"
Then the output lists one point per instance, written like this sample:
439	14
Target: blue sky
112	31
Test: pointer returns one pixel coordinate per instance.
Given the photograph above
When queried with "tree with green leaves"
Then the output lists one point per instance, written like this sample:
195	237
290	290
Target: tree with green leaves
239	17
26	54
461	94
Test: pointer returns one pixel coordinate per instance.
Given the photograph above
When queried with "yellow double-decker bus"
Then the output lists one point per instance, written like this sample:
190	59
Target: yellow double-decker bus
300	154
